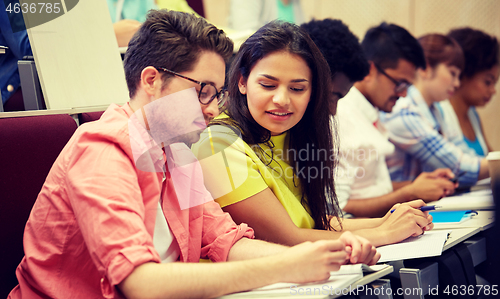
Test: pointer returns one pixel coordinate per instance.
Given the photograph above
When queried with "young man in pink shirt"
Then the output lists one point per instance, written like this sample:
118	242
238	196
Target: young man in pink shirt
124	203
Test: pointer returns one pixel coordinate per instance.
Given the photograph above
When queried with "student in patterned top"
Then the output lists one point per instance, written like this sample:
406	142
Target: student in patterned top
424	142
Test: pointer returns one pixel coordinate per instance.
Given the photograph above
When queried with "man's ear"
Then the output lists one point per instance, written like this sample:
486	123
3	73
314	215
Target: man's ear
150	80
372	73
369	80
242	85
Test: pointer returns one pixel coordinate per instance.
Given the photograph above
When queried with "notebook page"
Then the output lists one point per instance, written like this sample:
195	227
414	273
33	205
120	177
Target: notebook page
429	244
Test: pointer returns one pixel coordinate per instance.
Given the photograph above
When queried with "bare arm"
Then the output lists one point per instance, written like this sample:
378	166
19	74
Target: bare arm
398	185
429	186
245	249
303	263
271	222
490	149
407	220
124	30
378	206
484	171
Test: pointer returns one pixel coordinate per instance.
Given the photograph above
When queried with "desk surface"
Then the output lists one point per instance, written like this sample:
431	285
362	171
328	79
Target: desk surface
459	235
483	220
462	231
368	278
52	111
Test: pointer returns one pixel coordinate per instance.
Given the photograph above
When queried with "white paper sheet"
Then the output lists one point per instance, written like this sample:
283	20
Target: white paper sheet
475	200
338	280
429	244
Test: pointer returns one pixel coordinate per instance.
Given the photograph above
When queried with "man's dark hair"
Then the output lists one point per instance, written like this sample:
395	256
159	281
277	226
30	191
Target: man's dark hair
172	40
385	44
480	50
340	47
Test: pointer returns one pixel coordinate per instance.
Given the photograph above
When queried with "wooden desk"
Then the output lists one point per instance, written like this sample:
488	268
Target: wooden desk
459	235
72	111
369	278
461	232
483	220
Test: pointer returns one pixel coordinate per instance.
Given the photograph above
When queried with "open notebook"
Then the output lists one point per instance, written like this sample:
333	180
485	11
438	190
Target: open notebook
429	244
474	200
338	281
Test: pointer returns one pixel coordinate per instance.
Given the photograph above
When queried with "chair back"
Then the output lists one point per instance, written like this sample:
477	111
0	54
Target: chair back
28	148
89	116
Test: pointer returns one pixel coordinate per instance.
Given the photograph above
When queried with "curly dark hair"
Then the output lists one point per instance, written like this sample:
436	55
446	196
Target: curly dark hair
313	130
480	50
340	47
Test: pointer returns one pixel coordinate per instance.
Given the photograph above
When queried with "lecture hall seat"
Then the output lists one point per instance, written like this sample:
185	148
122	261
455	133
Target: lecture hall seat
89	116
28	148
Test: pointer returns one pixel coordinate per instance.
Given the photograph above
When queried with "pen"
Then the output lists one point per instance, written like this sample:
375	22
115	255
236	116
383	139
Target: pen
455	179
424	208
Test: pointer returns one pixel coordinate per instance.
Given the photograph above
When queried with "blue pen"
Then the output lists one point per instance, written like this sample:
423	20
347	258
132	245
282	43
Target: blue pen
455	179
424	208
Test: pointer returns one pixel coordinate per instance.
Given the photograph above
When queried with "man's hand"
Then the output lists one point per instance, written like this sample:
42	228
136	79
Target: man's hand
432	186
360	249
313	261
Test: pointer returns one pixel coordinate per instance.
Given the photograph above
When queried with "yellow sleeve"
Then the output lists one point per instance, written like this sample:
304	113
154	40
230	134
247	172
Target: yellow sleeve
229	168
177	5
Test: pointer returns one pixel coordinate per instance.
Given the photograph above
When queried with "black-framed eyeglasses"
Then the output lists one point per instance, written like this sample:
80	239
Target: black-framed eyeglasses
400	85
208	91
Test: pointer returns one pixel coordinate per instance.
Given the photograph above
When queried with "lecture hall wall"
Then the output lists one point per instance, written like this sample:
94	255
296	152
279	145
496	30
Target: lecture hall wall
418	16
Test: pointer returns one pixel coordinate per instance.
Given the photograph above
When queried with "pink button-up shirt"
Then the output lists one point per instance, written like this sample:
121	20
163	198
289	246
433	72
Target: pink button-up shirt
94	218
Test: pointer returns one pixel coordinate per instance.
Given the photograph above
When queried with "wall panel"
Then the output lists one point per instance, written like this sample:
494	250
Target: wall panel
418	16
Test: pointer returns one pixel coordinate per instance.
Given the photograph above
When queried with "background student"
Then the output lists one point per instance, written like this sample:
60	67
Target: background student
251	15
127	15
416	124
278	176
12	35
477	86
109	220
363	182
344	55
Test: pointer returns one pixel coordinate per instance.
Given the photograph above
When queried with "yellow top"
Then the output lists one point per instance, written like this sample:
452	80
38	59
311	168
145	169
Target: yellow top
233	171
177	5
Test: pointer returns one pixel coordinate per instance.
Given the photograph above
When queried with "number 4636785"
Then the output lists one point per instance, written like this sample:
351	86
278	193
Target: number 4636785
34	8
471	290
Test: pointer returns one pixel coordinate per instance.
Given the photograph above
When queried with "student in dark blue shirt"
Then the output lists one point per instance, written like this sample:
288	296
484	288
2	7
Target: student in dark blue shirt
12	35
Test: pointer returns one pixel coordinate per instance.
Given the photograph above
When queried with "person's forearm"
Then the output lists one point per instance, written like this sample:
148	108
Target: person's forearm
378	206
398	185
366	228
484	171
376	236
199	280
246	248
359	223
